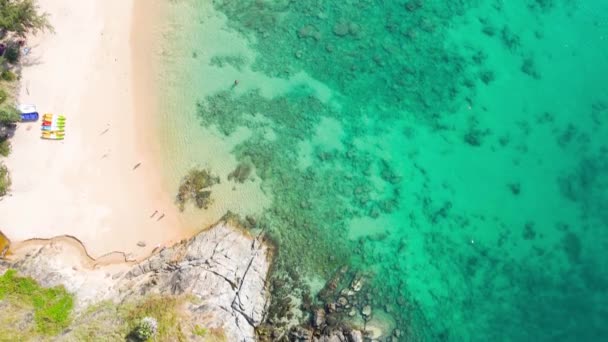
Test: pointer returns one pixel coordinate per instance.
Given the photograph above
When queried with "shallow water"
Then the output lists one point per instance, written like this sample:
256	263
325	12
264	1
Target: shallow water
453	152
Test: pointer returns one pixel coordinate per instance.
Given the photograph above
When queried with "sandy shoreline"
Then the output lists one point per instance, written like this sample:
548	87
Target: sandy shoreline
94	70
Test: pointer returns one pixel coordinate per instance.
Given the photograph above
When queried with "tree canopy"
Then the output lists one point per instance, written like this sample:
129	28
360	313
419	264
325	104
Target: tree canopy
8	115
21	17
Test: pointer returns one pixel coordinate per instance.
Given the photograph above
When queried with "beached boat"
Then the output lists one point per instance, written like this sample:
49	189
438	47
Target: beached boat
53	118
49	118
53	128
26	108
53	122
28	113
56	132
46	122
53	137
54	115
29	117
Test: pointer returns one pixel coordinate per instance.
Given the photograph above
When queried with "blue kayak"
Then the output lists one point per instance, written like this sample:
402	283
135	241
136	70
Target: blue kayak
53	128
29	117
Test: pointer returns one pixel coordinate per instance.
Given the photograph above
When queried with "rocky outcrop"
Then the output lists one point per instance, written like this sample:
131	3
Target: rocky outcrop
224	268
333	335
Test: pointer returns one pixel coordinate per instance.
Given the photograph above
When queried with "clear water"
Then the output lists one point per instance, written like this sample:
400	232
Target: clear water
455	152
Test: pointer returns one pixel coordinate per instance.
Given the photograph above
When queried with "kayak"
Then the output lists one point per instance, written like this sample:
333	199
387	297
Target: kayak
29	117
47	119
51	123
53	132
46	129
49	115
53	119
27	108
53	137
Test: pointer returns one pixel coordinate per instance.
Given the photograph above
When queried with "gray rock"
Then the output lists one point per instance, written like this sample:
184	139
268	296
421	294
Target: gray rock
156	264
141	244
300	334
334	336
366	311
135	272
318	319
354	336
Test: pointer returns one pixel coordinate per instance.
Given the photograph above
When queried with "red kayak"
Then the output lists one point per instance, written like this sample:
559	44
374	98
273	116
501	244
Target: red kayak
50	123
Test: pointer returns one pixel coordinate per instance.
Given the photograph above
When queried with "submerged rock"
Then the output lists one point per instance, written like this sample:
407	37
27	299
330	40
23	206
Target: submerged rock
355	336
366	311
357	284
318	318
341	29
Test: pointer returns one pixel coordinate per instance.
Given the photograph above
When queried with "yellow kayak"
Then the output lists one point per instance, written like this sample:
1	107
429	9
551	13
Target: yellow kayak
51	116
53	136
49	135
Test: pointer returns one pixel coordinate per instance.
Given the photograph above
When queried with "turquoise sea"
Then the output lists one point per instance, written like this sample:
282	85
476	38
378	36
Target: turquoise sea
454	153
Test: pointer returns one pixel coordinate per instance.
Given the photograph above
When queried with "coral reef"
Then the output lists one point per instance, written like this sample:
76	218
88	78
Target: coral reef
195	186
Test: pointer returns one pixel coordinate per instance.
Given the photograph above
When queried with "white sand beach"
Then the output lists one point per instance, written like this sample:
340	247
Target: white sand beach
87	186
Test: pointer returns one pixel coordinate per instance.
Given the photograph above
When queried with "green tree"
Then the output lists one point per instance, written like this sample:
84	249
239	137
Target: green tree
5	180
22	17
9	115
5	147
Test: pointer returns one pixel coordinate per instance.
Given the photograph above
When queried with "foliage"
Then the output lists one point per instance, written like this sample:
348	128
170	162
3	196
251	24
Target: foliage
3	96
164	309
195	187
12	53
8	75
51	306
5	184
4	245
106	321
211	335
5	147
199	331
21	17
9	115
146	328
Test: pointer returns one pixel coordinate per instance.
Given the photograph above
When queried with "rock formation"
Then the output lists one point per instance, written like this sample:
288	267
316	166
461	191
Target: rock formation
225	269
